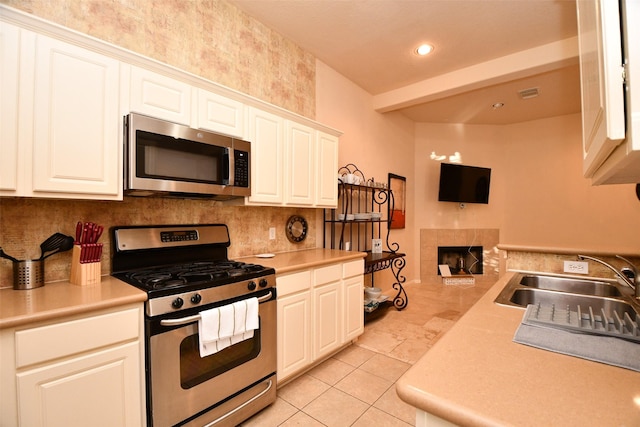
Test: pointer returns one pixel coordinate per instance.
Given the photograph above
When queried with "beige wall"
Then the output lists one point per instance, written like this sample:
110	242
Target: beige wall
538	195
378	144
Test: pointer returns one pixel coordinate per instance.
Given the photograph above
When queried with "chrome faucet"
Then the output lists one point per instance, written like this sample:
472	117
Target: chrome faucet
633	284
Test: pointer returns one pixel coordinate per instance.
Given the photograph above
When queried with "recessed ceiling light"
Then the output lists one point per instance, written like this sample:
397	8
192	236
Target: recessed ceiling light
497	105
424	49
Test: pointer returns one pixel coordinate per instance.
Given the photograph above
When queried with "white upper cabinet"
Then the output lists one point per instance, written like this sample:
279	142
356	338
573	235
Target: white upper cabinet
160	96
266	134
219	114
64	96
327	170
9	71
76	119
292	164
610	104
61	136
300	162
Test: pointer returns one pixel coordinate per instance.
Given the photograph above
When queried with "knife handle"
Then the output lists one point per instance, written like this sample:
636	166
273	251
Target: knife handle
78	232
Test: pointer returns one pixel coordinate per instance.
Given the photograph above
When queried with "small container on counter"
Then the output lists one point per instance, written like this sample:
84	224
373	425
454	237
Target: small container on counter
28	274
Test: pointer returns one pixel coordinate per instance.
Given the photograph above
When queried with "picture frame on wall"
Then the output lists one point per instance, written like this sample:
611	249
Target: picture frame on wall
397	205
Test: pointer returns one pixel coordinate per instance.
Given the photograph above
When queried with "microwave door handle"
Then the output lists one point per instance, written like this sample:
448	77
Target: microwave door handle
228	163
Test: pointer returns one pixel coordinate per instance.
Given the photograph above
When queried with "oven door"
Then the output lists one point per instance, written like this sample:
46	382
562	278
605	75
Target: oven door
181	384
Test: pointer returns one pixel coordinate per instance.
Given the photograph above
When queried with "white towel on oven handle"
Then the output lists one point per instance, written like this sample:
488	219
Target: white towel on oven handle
246	319
220	327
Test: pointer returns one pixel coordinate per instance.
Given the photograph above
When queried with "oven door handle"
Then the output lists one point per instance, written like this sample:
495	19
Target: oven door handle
196	317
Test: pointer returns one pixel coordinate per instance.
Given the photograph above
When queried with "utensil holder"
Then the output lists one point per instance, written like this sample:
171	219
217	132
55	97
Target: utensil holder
83	273
28	274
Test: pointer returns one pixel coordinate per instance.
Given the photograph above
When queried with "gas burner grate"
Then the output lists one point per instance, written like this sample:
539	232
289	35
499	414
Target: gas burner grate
190	273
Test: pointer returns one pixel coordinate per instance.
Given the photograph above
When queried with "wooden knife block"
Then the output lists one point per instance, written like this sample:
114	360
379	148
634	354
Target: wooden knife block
83	273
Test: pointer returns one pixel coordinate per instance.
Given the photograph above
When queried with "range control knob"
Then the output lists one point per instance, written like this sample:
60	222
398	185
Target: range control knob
263	283
177	303
196	298
252	285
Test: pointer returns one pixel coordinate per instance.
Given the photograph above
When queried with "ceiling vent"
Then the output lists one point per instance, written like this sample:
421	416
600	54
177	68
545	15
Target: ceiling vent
528	93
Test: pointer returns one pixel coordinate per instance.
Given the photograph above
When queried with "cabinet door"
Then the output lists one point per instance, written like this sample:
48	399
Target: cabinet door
266	133
328	319
353	308
601	75
159	96
299	181
294	333
97	389
220	114
327	170
9	81
76	122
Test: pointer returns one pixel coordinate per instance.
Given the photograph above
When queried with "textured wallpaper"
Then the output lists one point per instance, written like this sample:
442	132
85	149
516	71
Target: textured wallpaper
210	38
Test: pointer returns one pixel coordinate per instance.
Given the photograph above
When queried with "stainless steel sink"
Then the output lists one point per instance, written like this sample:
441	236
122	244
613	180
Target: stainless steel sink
576	286
574	304
565	292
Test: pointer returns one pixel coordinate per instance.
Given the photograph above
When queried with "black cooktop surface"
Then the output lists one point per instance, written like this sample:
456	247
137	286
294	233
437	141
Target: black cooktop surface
192	275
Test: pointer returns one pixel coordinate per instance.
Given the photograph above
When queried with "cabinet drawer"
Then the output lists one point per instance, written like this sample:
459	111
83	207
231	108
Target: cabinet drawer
327	274
353	268
293	283
66	338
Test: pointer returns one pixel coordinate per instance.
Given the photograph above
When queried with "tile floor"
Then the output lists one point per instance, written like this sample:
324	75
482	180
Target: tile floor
356	387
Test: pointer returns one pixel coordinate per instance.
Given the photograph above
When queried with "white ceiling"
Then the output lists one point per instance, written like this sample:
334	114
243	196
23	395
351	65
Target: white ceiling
485	52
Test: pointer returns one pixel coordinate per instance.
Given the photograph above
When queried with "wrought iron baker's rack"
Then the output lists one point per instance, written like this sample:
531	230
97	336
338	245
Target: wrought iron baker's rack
350	224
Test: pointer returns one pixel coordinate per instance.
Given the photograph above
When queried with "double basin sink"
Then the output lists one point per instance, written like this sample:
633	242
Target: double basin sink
604	296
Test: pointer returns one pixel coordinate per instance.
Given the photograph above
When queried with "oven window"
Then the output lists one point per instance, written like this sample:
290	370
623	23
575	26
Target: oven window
164	157
195	369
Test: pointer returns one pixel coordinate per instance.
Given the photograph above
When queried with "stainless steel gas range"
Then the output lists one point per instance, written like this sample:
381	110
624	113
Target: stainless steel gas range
185	270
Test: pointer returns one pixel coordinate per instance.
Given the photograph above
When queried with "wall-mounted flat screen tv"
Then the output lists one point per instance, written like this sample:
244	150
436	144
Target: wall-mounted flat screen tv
464	184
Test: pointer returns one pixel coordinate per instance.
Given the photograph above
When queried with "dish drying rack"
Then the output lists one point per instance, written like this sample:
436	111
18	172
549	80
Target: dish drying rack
584	320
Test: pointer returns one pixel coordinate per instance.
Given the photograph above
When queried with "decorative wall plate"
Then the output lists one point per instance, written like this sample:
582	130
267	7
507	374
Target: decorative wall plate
296	229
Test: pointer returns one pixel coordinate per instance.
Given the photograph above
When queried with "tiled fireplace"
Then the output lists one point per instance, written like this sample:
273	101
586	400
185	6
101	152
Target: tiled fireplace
461	259
445	246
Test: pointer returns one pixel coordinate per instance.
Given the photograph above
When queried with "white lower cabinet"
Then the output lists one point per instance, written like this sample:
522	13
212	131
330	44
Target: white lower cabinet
319	311
294	333
94	389
354	313
78	371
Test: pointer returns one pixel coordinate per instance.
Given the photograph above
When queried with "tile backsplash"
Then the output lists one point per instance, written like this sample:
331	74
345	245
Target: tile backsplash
26	222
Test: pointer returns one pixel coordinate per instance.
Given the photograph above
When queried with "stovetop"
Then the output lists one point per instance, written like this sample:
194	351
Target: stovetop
190	276
184	267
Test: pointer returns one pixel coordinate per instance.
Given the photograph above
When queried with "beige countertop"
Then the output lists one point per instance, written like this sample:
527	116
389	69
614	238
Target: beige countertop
286	262
477	376
58	299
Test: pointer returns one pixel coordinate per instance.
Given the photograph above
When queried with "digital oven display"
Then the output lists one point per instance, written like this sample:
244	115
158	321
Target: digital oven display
178	236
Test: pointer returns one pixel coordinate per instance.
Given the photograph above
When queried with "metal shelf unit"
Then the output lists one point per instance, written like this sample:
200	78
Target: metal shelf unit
346	229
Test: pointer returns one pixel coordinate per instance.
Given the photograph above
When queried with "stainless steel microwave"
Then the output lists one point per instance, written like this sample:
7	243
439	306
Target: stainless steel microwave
168	159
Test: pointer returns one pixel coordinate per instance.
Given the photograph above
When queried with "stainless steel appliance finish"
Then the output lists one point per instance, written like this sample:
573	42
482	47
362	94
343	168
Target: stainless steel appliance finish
185	270
168	159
